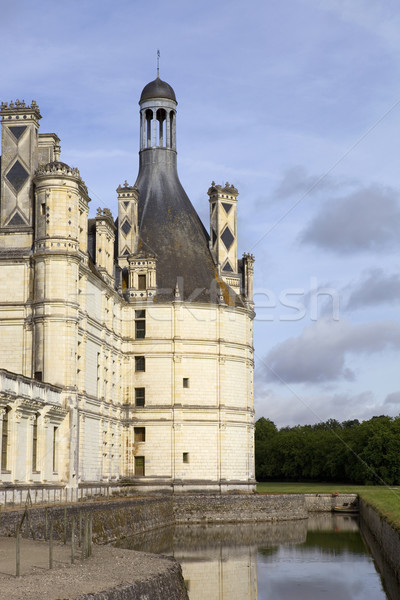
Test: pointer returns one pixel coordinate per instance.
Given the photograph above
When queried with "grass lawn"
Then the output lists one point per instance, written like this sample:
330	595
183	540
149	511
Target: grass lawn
385	499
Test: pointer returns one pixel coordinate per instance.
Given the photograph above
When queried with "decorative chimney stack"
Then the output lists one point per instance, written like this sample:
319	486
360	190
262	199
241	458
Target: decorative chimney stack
105	237
223	232
20	126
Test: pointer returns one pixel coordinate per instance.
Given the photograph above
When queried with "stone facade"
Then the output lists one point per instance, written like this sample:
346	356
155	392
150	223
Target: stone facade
126	346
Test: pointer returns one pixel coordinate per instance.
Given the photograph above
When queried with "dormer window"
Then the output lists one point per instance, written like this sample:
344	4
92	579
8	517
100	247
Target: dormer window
142	276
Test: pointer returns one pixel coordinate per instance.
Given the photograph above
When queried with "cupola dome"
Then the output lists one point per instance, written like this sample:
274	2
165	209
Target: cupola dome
157	89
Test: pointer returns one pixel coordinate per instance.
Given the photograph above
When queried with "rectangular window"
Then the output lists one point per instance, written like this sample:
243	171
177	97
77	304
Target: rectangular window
38	375
43	209
55	449
186	382
140	324
4	441
139	396
141	282
34	443
186	457
140	434
139	466
140	363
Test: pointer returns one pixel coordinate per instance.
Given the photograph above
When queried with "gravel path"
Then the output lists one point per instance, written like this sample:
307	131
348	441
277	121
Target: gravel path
107	568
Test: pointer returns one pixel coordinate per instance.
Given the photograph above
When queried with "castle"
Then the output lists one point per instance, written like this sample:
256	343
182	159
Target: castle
126	346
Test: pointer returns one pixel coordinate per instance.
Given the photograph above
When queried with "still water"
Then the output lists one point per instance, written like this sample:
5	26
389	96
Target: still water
322	558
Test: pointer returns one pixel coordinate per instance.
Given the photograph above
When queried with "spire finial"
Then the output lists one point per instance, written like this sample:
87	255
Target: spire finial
158	63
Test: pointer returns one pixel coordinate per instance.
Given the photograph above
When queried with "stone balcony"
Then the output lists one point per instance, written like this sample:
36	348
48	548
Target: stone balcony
15	386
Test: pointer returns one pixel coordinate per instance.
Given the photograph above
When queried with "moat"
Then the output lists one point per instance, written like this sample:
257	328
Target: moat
322	557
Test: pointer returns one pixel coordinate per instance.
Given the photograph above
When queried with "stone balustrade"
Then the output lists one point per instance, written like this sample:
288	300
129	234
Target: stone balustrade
18	386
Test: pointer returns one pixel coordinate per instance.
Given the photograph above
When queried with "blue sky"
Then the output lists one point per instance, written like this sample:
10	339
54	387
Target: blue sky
295	102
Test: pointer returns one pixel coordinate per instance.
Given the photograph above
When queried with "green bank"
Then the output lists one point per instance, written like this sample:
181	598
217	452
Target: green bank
386	500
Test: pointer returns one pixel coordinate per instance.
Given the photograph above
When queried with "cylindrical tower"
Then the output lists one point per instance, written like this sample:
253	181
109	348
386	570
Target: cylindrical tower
189	376
61	203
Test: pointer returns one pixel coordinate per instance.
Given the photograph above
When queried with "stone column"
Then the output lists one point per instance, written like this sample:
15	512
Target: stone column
47	466
148	131
142	130
154	144
173	145
15	444
168	130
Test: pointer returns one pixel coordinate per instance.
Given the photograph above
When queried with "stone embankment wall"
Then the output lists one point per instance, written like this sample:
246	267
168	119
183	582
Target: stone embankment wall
164	586
112	520
125	517
326	502
238	508
387	538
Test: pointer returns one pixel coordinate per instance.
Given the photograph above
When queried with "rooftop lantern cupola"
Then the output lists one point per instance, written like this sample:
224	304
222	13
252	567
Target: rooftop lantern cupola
168	228
157	116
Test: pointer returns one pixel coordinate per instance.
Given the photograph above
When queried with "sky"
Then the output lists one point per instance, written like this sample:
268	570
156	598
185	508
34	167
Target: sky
296	103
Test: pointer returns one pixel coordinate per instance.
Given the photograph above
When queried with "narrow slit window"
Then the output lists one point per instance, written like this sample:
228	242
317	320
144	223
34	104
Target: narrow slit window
186	382
186	457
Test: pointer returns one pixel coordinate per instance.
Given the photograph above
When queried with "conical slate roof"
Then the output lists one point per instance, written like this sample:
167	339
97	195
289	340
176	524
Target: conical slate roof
171	229
169	226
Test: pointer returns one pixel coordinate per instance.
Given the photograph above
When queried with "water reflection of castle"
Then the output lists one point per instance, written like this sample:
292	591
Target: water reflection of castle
220	562
220	573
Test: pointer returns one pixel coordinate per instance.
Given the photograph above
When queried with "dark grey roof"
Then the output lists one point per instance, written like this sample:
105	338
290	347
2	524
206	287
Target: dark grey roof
171	230
56	164
157	89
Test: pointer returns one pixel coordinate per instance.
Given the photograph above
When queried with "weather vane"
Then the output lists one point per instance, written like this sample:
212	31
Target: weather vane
158	63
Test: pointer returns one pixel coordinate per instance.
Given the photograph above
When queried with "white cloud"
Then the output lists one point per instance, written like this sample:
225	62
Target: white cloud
393	399
379	18
319	354
375	287
292	408
296	181
368	219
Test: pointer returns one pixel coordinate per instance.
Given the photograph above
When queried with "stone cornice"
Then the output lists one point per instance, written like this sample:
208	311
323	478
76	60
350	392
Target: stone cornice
19	108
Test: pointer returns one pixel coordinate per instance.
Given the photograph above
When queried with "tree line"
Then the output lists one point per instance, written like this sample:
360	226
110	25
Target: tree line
349	452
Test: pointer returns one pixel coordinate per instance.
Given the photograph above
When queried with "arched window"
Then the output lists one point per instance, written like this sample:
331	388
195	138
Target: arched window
149	119
161	117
